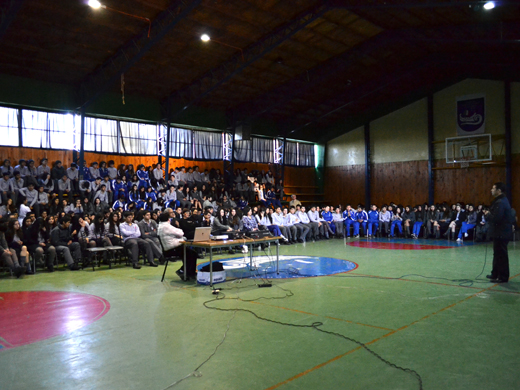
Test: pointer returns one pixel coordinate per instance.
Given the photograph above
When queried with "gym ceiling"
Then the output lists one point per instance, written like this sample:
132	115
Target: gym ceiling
316	69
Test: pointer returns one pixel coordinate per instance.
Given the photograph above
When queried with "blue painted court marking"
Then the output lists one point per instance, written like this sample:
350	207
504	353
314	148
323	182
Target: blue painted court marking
289	267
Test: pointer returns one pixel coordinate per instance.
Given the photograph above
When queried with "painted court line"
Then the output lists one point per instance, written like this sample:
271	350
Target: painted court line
301	374
416	281
4	343
318	315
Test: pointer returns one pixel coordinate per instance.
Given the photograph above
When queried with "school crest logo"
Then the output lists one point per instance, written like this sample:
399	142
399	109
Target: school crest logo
471	115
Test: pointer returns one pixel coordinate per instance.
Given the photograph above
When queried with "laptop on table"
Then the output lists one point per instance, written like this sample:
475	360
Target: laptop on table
201	234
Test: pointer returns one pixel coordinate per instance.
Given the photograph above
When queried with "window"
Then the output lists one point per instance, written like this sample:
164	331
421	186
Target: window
181	145
101	135
291	153
138	138
9	126
306	155
243	150
47	130
263	150
299	154
207	146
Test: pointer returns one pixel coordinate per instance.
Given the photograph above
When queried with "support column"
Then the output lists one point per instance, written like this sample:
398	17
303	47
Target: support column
82	140
507	141
367	167
232	161
228	156
430	150
20	132
167	156
282	173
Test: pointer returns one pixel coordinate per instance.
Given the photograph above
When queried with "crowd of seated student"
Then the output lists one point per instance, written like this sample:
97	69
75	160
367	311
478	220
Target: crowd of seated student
106	206
103	187
434	221
67	210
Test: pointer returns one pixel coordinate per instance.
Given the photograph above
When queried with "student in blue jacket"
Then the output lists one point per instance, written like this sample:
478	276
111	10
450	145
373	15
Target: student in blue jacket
361	219
142	175
373	221
327	216
349	216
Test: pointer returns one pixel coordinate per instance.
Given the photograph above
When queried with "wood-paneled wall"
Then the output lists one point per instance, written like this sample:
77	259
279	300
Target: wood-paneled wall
469	185
293	175
400	182
300	176
345	184
407	183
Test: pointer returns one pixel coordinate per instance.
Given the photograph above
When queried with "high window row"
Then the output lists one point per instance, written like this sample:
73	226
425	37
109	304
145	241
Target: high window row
50	130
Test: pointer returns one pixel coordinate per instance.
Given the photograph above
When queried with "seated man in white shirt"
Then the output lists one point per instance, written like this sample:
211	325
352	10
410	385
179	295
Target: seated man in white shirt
171	240
133	241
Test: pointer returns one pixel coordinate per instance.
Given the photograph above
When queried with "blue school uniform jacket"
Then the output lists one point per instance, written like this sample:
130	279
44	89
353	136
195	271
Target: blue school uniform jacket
373	216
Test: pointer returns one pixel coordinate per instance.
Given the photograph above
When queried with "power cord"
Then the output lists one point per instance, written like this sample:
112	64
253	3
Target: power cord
315	325
196	373
462	282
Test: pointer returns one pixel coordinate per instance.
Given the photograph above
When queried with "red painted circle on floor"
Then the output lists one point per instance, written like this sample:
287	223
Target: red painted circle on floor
30	316
394	245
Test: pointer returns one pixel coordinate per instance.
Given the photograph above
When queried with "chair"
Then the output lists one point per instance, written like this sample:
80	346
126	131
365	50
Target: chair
166	258
95	253
112	251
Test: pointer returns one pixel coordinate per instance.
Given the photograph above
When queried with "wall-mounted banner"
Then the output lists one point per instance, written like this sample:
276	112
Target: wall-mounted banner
471	114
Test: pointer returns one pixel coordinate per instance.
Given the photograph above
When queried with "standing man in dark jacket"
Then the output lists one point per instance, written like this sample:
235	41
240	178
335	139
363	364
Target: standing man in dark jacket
500	230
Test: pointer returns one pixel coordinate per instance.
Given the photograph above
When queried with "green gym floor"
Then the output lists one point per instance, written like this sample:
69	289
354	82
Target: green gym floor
155	334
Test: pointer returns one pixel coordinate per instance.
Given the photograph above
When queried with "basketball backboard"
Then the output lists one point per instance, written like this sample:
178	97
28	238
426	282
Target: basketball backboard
472	148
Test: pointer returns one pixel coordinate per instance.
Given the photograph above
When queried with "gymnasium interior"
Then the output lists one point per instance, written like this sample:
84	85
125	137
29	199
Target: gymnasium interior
346	102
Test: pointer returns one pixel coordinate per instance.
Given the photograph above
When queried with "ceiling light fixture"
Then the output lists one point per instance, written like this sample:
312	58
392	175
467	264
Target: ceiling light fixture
489	5
96	5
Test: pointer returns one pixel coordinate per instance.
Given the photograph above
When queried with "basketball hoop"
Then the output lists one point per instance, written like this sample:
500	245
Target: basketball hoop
469	149
464	163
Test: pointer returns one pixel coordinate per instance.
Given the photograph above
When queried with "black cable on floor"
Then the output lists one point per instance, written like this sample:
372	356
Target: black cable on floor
196	372
315	326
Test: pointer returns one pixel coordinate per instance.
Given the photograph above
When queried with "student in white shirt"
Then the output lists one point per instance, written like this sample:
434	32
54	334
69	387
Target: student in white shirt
314	217
278	220
302	229
338	219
